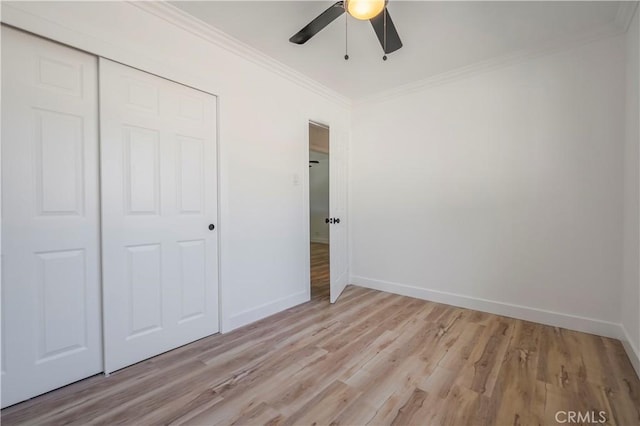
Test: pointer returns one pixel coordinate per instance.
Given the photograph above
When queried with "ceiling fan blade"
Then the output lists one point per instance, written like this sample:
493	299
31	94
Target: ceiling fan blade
321	21
393	42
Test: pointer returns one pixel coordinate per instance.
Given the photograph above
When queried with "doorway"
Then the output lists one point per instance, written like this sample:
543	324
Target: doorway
319	210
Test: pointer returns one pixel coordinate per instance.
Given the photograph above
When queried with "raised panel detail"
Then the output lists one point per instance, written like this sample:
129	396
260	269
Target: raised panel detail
61	296
191	109
142	96
59	163
144	276
192	279
190	173
142	178
60	76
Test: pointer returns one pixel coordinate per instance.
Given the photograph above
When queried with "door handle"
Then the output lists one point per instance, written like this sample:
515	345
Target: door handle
336	220
211	227
328	220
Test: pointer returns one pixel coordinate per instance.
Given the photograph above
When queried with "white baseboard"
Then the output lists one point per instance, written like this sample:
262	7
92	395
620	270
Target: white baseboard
632	351
541	316
320	240
259	312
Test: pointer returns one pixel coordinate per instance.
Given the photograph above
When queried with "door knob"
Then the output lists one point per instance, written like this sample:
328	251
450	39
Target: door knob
336	220
211	227
326	220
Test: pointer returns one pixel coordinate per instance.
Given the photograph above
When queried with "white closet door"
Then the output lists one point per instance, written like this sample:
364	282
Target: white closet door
338	240
51	330
158	179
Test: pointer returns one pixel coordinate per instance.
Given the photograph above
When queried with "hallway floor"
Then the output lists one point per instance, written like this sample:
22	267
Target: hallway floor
319	271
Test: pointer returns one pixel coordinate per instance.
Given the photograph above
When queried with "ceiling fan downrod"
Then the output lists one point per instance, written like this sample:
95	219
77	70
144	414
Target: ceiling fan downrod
384	45
346	37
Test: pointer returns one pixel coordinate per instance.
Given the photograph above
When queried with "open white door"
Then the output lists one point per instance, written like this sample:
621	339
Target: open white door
338	245
51	332
159	212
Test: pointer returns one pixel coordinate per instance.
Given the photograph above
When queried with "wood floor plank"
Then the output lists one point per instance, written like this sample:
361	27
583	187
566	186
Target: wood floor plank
337	395
411	407
625	400
488	364
392	392
515	399
358	413
371	358
261	414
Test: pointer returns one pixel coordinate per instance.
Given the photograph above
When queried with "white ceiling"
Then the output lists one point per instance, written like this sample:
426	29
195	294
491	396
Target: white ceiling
437	36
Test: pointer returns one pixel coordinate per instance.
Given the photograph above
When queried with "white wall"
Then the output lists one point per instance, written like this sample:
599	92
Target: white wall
263	146
319	197
631	287
500	192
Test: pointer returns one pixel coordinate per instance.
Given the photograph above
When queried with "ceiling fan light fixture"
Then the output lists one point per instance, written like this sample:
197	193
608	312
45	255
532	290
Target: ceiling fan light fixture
365	9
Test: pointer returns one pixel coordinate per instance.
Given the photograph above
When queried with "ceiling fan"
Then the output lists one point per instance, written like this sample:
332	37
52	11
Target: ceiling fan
374	11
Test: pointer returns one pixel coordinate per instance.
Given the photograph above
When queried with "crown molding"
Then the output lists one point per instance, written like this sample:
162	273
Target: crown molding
197	27
555	46
626	11
190	23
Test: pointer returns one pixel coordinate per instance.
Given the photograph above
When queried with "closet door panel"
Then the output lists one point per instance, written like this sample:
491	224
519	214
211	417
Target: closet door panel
159	189
51	297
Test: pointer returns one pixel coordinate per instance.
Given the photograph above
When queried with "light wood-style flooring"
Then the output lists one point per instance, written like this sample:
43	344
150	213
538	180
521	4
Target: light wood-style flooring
320	271
371	358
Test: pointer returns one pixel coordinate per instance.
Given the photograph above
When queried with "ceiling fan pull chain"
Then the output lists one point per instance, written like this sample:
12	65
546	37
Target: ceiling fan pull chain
384	57
346	37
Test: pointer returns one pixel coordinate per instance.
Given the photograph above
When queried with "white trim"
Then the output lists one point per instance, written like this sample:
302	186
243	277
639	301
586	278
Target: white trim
219	215
270	308
569	42
195	26
632	351
541	316
626	11
306	214
320	240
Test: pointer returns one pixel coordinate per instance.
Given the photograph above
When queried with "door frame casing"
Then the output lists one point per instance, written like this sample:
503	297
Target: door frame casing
306	203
